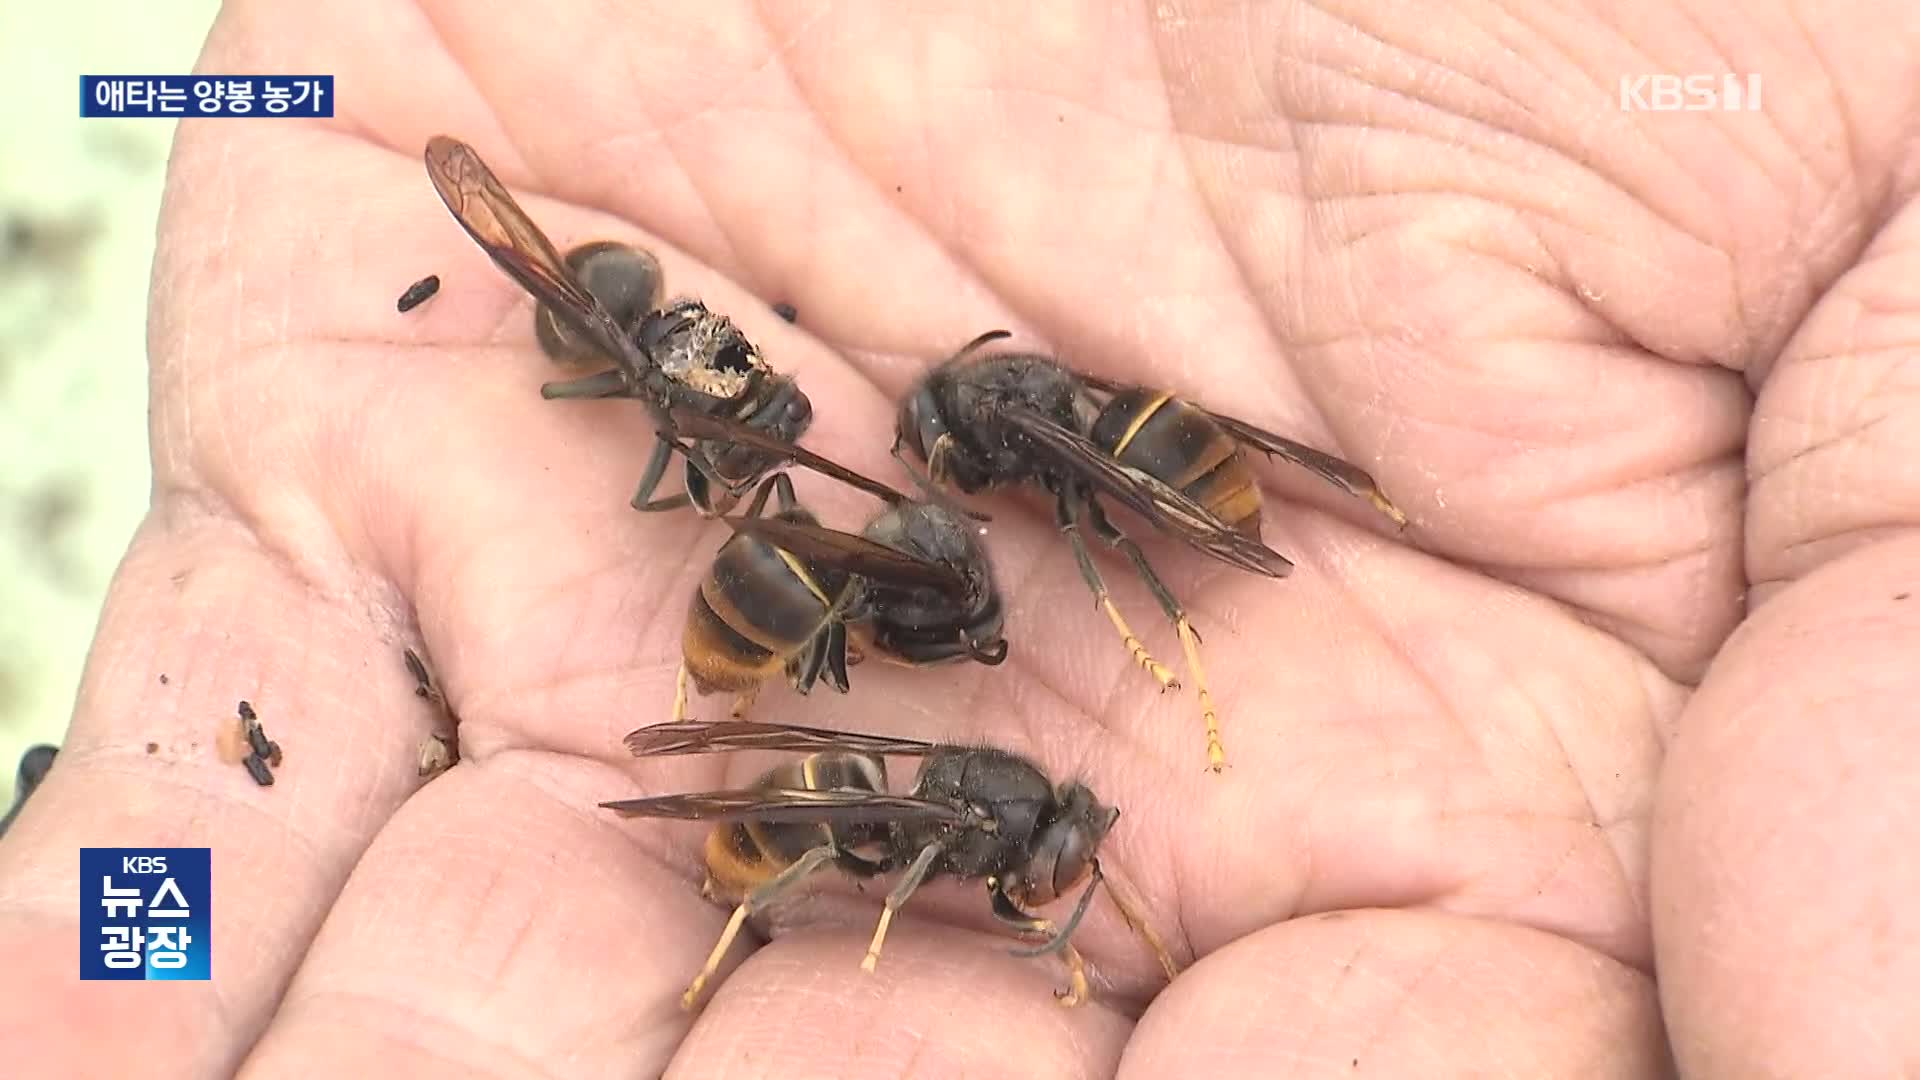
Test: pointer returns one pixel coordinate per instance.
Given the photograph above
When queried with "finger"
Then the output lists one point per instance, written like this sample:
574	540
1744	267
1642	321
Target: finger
500	924
197	601
1783	862
1402	993
942	1002
647	141
1783	858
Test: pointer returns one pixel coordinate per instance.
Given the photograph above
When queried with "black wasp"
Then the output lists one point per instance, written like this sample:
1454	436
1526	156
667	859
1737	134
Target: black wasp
982	420
602	304
973	813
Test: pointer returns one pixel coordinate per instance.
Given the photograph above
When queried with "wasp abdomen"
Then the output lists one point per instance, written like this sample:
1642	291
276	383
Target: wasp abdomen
758	606
743	855
1164	437
718	658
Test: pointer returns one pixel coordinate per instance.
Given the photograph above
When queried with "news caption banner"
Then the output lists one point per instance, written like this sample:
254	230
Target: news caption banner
206	95
146	913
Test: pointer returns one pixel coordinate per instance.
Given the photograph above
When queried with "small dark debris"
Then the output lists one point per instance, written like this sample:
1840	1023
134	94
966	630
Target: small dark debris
163	678
417	668
15	237
58	244
419	293
440	750
34	766
153	748
438	753
786	311
1901	595
262	749
423	679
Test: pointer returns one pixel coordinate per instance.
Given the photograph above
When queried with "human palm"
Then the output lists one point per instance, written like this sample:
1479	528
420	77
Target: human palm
1428	240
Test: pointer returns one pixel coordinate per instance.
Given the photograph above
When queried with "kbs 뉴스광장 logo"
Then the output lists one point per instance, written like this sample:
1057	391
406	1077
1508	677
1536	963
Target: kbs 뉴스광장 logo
145	913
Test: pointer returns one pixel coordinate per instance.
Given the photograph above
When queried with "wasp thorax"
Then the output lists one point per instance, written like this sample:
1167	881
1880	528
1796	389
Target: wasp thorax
704	351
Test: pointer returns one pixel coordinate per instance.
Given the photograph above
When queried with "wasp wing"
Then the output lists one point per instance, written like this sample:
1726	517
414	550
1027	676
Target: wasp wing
789	806
1342	474
704	736
851	552
483	207
688	421
1157	501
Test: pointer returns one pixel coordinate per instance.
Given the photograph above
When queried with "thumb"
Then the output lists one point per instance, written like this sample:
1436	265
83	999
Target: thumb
1783	853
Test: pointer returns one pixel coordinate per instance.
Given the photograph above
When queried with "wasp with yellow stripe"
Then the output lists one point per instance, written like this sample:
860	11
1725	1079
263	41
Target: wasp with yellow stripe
990	419
914	587
973	813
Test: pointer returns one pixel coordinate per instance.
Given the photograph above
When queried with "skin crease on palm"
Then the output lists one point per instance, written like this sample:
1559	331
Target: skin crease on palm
1636	377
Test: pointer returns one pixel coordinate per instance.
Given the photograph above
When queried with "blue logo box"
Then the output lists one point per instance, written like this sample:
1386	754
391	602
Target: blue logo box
206	95
146	913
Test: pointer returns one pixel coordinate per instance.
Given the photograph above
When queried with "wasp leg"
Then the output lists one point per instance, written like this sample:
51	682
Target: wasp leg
680	694
837	651
1008	912
1130	910
924	481
782	491
930	481
806	667
1189	640
760	897
1067	513
605	384
643	499
743	702
780	486
703	479
937	458
916	873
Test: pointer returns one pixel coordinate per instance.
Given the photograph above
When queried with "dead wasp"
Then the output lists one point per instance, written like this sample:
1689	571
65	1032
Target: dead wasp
980	421
915	587
973	813
601	303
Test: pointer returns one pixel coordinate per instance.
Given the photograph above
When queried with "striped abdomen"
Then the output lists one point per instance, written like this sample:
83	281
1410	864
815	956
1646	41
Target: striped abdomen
1158	434
741	855
758	608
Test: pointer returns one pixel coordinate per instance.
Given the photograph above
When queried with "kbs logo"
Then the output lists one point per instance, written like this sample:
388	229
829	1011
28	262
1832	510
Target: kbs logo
145	913
1690	93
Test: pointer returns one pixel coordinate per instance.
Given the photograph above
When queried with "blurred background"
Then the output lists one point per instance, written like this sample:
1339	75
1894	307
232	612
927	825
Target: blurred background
78	200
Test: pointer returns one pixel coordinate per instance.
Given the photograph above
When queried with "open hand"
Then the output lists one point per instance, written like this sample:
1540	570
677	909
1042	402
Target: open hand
1633	375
